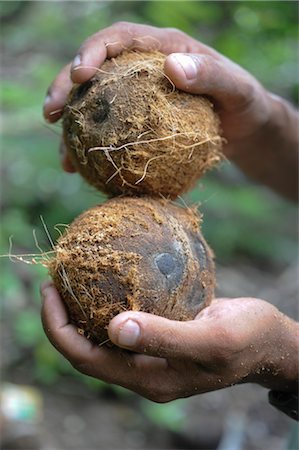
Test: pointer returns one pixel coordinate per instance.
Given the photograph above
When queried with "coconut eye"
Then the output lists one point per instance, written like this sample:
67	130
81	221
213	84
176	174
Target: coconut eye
101	112
172	267
166	263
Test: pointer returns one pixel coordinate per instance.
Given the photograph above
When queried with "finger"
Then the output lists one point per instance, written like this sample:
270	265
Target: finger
82	353
226	82
57	95
112	365
206	312
61	333
111	41
157	336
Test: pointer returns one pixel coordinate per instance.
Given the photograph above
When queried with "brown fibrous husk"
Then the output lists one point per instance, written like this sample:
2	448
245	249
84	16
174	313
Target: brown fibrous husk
137	254
129	130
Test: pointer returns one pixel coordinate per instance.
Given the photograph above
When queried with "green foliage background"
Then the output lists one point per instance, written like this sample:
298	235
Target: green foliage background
241	219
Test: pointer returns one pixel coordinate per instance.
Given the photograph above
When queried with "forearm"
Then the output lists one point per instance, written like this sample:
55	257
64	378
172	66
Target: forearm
270	156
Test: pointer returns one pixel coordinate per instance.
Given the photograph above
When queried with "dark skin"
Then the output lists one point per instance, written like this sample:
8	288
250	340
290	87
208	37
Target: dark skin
233	340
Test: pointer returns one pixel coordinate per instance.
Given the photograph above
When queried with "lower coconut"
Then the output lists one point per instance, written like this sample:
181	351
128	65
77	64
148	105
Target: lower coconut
135	254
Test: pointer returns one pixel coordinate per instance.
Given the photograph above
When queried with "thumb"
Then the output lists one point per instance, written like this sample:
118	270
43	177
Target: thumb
226	82
157	336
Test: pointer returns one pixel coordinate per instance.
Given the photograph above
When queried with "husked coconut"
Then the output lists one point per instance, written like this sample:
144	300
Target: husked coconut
129	130
139	254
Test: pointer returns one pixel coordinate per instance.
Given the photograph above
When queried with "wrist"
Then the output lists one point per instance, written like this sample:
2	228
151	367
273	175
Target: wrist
278	368
270	154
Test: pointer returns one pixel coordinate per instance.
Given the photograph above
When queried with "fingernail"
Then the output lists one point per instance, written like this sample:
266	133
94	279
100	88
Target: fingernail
44	292
45	287
129	333
47	100
76	62
188	65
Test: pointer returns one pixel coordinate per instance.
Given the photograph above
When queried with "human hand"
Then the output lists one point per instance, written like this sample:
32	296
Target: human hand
229	342
242	103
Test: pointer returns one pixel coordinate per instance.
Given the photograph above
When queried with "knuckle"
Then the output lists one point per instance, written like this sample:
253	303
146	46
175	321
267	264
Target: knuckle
174	30
158	396
227	344
170	343
178	34
90	42
159	399
121	24
158	392
247	91
165	398
205	65
87	43
205	61
82	366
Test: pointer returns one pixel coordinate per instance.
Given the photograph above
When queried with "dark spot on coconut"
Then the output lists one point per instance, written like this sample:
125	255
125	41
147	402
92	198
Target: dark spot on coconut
102	111
83	89
166	263
172	267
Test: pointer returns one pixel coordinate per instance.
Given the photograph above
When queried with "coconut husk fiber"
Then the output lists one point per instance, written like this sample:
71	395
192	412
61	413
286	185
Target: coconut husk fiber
139	254
129	130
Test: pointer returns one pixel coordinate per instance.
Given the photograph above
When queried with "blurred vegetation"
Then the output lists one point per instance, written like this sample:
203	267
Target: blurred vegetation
241	220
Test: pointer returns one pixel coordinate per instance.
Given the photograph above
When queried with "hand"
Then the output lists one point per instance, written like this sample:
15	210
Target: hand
260	128
241	101
232	341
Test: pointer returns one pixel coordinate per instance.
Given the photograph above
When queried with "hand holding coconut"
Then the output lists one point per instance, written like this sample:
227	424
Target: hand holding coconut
139	254
129	131
231	341
260	128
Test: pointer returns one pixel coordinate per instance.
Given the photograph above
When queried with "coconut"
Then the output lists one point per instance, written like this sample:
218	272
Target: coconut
129	130
137	254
